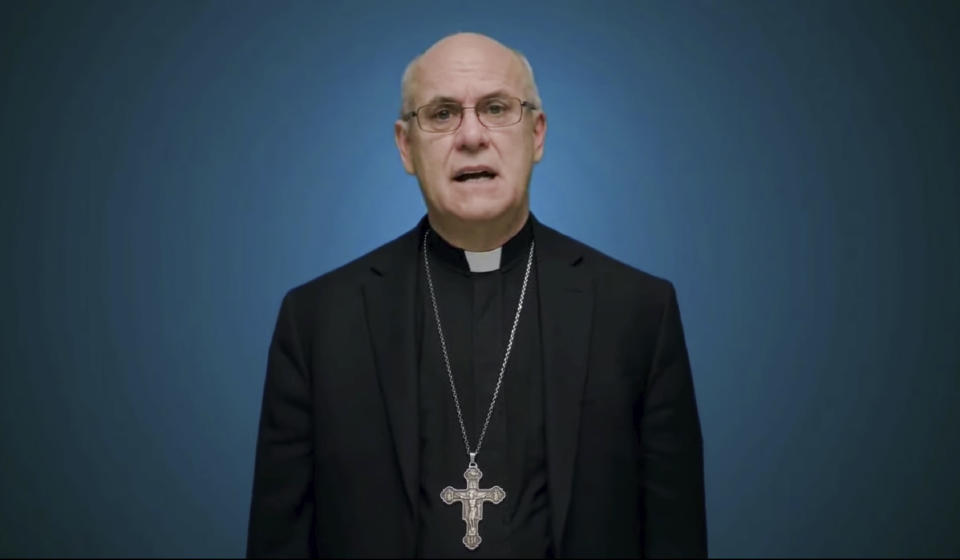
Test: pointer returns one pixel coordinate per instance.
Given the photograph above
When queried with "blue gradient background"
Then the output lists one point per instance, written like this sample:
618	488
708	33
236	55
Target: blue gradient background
169	169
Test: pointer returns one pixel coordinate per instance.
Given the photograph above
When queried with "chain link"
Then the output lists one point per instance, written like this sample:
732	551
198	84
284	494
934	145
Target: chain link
446	359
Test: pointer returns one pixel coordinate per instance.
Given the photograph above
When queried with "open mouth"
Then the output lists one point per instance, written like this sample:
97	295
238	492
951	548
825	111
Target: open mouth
474	175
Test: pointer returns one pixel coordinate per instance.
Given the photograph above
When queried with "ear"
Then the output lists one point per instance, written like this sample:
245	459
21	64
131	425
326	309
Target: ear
401	135
539	135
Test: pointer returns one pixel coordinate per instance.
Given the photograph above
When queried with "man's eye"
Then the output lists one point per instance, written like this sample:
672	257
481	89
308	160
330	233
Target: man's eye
495	108
442	113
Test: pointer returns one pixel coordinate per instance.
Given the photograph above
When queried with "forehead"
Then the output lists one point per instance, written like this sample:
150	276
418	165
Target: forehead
468	69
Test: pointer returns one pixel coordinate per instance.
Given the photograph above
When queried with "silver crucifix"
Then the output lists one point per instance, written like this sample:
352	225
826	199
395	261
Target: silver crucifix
472	498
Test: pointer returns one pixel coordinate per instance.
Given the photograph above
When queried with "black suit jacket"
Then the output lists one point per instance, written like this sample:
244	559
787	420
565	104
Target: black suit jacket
337	457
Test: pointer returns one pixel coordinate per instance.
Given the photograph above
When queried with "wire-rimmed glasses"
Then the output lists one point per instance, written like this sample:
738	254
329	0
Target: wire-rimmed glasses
446	116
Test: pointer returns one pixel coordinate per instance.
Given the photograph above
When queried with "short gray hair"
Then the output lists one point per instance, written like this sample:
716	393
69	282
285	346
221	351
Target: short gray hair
406	84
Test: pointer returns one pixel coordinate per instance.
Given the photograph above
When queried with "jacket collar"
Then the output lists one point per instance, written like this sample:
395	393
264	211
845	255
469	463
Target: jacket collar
566	308
513	252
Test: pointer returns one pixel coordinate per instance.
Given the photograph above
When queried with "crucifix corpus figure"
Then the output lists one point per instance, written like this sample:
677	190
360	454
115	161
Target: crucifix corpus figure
472	498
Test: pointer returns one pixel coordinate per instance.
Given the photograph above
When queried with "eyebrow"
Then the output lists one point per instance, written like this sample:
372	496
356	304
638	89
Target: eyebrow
448	99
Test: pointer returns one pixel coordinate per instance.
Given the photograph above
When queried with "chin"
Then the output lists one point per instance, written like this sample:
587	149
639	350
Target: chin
474	202
478	214
480	208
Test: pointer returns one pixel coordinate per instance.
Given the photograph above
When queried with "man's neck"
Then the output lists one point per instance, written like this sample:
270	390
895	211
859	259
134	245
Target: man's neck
479	236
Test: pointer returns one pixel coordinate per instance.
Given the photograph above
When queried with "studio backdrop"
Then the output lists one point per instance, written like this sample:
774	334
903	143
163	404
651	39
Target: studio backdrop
169	169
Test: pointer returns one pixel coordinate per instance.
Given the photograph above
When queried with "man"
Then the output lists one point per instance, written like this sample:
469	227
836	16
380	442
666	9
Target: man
482	385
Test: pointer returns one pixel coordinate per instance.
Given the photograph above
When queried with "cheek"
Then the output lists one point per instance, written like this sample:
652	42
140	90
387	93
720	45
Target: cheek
430	160
431	173
518	161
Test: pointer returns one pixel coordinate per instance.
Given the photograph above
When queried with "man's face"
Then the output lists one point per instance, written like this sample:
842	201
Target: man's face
469	69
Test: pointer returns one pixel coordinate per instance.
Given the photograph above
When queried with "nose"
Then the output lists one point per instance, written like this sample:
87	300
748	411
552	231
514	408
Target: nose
472	136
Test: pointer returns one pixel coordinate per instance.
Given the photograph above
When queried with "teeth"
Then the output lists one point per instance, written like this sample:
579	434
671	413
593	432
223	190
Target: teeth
474	176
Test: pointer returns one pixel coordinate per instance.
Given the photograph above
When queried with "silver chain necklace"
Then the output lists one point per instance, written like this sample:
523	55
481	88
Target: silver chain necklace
472	497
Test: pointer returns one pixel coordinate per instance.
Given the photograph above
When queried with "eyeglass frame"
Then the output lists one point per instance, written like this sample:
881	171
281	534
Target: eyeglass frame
523	104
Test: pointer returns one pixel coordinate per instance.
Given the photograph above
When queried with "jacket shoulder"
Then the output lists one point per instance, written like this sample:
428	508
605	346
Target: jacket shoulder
614	274
333	283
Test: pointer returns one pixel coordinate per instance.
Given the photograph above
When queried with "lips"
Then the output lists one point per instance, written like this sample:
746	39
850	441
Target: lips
474	173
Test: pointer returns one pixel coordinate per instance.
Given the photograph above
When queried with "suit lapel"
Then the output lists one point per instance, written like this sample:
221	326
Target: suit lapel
566	308
389	296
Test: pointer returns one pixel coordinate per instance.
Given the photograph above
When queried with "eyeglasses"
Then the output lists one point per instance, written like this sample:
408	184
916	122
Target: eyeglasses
446	116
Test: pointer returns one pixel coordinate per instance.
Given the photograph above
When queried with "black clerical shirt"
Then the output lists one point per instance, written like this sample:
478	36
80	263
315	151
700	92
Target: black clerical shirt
477	310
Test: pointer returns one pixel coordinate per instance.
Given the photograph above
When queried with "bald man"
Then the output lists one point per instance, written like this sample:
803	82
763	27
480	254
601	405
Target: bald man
483	385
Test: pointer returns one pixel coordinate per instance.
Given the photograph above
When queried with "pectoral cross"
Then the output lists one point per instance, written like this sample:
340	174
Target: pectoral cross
472	498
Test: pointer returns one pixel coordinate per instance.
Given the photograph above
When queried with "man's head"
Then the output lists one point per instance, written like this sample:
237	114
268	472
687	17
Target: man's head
476	174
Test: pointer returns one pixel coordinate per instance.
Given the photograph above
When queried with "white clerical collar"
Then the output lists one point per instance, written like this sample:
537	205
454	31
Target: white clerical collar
483	261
